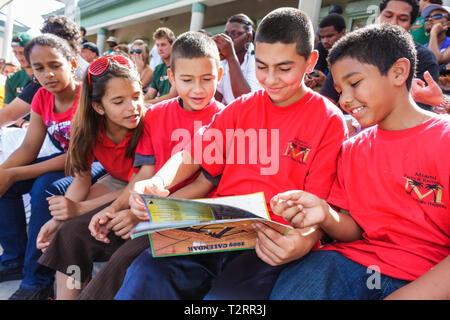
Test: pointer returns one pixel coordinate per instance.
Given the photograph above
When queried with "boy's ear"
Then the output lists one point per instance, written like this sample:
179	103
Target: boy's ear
399	72
311	61
171	77
98	108
74	65
219	74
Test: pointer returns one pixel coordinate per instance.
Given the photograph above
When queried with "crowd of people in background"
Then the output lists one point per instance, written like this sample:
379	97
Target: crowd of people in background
359	101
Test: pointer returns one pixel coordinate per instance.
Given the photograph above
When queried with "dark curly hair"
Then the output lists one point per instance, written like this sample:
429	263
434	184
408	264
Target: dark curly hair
65	28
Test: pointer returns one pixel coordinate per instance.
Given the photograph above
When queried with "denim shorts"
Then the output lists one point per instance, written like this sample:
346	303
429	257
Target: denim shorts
328	275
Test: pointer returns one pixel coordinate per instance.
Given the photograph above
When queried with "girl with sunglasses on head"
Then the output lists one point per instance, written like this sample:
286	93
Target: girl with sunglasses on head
140	54
53	62
107	126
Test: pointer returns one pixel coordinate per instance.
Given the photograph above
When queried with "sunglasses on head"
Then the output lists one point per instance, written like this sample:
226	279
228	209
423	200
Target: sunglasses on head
435	16
138	51
99	66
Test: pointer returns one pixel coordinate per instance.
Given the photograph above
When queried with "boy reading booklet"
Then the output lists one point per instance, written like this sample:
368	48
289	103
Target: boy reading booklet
284	135
393	179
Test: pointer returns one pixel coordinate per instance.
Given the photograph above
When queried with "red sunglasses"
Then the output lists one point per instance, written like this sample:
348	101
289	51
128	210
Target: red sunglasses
100	65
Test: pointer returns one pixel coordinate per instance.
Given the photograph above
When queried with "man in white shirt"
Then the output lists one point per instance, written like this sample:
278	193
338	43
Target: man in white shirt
238	59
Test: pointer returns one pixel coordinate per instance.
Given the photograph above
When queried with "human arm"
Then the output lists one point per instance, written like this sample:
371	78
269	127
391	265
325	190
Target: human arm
177	169
443	57
239	84
303	210
433	285
430	94
276	249
171	94
31	145
198	188
146	77
13	112
46	234
98	226
67	207
18	168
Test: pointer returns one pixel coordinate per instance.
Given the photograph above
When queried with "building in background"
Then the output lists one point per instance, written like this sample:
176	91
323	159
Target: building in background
128	20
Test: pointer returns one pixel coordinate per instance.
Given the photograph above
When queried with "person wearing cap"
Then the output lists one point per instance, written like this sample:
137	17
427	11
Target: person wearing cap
17	80
89	51
436	24
112	43
418	28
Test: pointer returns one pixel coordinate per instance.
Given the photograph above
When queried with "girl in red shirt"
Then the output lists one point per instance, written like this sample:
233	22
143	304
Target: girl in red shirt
106	127
53	62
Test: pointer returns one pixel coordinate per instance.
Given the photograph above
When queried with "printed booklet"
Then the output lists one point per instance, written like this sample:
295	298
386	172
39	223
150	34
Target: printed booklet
180	227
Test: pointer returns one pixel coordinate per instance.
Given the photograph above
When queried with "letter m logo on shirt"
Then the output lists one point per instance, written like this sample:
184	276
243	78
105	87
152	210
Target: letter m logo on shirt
433	189
297	153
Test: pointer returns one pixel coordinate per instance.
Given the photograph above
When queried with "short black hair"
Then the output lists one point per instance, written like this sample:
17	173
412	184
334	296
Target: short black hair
244	20
194	44
414	4
378	45
287	25
53	41
335	8
91	46
335	20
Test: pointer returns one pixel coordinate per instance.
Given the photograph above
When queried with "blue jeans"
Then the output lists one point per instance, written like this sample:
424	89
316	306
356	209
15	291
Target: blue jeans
19	247
172	278
328	275
247	277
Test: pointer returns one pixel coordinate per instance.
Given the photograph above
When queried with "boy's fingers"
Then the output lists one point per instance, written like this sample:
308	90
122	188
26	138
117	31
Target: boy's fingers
268	237
292	212
267	251
282	206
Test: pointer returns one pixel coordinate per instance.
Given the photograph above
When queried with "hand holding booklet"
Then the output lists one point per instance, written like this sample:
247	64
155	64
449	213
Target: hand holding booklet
180	227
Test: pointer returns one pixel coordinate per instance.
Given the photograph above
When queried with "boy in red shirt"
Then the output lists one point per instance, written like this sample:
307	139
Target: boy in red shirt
167	127
285	135
393	179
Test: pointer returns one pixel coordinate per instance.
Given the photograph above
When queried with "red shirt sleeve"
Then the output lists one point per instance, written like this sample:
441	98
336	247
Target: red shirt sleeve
338	195
323	168
37	102
145	146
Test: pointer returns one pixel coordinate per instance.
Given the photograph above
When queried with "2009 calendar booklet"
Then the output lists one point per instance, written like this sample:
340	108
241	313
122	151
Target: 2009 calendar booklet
180	227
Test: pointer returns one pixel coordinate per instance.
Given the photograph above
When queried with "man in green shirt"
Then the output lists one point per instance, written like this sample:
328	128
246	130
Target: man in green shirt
17	80
418	28
160	87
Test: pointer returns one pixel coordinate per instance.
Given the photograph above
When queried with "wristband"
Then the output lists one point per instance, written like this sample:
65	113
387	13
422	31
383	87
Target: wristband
444	106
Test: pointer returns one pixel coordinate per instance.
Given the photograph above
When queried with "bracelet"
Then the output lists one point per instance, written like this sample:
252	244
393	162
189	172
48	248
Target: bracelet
444	106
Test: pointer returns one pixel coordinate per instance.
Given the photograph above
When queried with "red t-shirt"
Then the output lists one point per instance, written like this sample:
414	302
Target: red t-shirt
396	186
169	127
286	148
57	124
112	156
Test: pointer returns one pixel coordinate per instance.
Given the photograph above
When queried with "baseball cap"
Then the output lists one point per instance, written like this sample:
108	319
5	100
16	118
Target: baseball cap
91	46
112	39
21	40
433	7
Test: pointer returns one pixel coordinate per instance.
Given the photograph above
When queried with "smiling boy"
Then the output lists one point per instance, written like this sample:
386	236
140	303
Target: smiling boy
303	132
392	186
